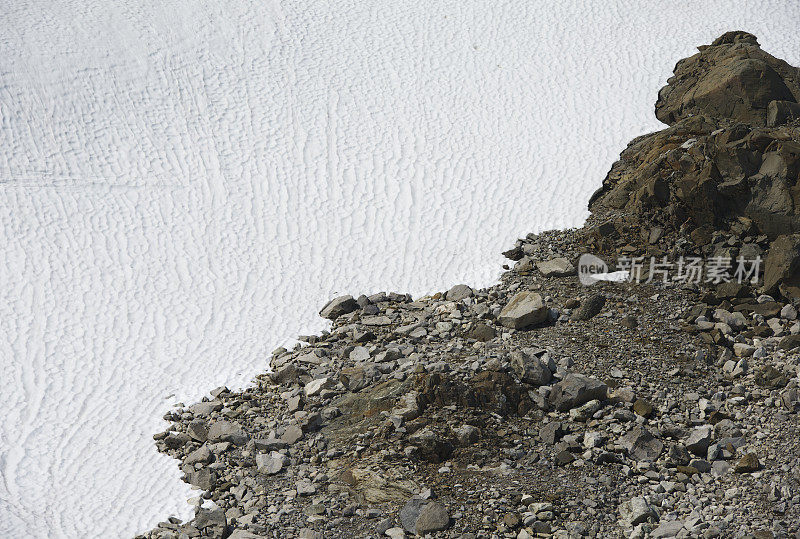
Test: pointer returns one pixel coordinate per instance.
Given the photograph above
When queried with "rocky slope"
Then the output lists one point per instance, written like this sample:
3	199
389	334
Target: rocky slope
541	407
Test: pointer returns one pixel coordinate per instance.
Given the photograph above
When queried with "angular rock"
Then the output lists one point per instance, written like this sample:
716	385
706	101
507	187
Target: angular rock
198	430
575	390
790	342
314	387
748	463
271	463
292	434
210	518
699	440
225	431
643	408
201	455
641	444
433	517
410	513
732	78
782	112
206	408
339	306
782	267
524	310
557	267
482	332
467	434
459	292
529	368
551	432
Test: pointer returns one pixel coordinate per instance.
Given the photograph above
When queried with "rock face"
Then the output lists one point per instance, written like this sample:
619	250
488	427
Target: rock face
782	269
433	518
717	162
524	310
731	78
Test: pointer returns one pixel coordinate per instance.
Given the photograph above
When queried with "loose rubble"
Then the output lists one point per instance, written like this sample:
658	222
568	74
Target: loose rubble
539	407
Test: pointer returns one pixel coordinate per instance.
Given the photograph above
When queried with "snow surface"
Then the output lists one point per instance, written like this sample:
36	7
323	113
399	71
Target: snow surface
184	184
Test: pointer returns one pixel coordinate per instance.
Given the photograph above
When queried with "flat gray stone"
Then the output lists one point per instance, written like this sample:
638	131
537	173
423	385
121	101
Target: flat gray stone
557	267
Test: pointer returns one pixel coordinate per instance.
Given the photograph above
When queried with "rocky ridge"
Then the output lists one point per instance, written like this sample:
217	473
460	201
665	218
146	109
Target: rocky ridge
538	406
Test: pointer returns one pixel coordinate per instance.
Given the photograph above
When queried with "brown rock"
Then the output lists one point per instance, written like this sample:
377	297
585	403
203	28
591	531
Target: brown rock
748	463
782	267
643	408
732	78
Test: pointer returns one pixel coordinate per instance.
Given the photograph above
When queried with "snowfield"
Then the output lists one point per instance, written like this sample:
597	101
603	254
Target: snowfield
184	184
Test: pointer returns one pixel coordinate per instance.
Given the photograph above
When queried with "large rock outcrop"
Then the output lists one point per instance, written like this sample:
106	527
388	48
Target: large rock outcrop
730	79
718	164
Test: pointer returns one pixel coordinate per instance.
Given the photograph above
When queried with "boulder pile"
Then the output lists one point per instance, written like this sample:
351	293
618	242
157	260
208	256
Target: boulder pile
540	407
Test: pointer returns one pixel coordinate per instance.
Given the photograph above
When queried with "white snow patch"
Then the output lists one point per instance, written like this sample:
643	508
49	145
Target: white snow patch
184	184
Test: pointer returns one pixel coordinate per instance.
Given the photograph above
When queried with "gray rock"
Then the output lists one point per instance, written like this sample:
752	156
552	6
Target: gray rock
210	518
551	432
201	455
782	267
410	513
575	390
433	517
359	354
557	267
635	511
292	434
525	309
701	465
308	533
383	526
482	332
271	463
459	292
467	434
339	306
198	430
699	440
530	368
395	533
314	387
225	431
305	488
244	534
667	529
206	408
641	444
201	478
